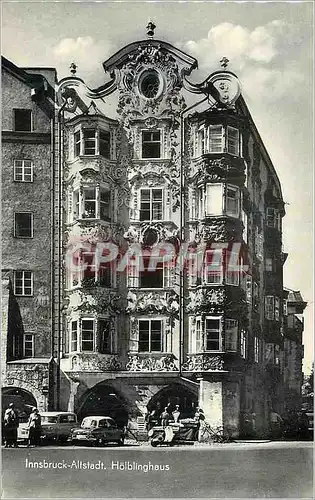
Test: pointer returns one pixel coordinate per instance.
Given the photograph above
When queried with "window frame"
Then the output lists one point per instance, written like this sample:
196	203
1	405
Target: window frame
269	307
96	275
205	330
23	294
243	343
257	349
162	325
273	218
210	142
79	148
23	167
96	335
78	202
31	225
231	325
31	341
224	210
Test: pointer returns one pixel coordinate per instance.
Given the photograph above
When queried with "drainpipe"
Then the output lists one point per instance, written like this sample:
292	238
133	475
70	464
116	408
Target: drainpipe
52	238
60	156
182	232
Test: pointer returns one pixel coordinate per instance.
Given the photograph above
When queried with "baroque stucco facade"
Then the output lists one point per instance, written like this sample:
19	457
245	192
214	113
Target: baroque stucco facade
178	167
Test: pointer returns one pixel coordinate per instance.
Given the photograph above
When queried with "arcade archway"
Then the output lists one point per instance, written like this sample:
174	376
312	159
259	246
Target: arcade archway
103	400
23	401
175	394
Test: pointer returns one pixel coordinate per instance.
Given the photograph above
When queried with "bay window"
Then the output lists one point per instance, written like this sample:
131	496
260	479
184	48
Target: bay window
91	202
150	335
218	139
206	335
91	335
273	218
213	268
88	270
232	201
93	141
222	265
213	334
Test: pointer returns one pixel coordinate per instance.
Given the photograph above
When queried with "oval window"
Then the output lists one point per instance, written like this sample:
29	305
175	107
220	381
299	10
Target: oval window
150	84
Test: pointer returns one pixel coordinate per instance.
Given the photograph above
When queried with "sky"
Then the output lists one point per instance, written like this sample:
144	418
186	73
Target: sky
270	48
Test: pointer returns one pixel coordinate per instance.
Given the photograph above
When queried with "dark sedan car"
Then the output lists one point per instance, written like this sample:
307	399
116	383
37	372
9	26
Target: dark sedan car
97	431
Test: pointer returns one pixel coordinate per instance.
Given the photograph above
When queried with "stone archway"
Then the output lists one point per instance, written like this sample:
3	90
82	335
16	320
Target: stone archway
175	394
103	399
23	401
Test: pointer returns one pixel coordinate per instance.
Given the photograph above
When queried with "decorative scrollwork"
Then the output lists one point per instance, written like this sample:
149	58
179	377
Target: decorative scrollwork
203	362
150	364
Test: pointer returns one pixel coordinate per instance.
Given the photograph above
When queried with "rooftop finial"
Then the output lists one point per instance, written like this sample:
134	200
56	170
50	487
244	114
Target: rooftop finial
224	62
150	28
73	68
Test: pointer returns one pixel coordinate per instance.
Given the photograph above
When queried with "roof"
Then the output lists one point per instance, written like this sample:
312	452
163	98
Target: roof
98	417
55	413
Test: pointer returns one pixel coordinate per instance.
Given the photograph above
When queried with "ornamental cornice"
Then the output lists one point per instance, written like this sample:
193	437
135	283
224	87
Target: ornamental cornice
206	299
152	302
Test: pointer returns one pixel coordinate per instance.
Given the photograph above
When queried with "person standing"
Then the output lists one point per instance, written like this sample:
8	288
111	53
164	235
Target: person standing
10	426
165	417
176	414
276	423
35	428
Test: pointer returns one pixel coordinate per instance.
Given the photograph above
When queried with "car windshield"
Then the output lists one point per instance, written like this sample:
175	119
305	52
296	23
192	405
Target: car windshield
88	422
49	420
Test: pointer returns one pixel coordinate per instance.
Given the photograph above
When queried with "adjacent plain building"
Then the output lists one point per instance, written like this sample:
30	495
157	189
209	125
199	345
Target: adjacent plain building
142	245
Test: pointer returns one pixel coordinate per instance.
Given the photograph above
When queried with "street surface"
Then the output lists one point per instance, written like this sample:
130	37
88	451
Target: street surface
236	470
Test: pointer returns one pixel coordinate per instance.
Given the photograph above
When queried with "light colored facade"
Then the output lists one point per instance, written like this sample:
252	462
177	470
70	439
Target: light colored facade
158	175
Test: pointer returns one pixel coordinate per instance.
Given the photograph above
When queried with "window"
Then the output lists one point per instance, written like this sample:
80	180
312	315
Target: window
28	345
83	334
156	276
232	260
105	144
218	139
249	289
149	84
92	142
233	141
150	335
268	265
231	335
74	337
256	349
91	203
151	204
87	335
232	201
213	334
285	307
220	203
213	266
216	142
198	335
151	144
105	337
22	120
273	218
277	309
269	307
243	343
214	200
90	271
23	171
23	283
23	225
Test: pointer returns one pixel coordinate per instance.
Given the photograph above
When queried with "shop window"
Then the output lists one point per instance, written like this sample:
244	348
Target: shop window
23	283
150	335
23	225
151	144
23	171
22	120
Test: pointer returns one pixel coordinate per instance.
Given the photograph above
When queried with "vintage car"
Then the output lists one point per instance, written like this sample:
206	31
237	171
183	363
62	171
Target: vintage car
56	427
97	430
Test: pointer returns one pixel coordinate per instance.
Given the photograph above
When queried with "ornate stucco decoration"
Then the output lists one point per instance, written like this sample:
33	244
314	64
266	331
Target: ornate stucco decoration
95	362
207	169
147	363
219	229
206	299
95	300
153	302
203	362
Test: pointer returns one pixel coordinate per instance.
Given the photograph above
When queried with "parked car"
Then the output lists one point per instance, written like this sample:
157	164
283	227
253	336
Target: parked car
97	430
56	426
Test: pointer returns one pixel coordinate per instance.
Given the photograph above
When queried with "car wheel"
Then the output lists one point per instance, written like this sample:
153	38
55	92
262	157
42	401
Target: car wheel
120	442
100	442
154	443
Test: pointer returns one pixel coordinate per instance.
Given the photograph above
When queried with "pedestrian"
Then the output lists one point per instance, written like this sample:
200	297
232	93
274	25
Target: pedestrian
276	423
10	426
176	414
35	428
165	417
